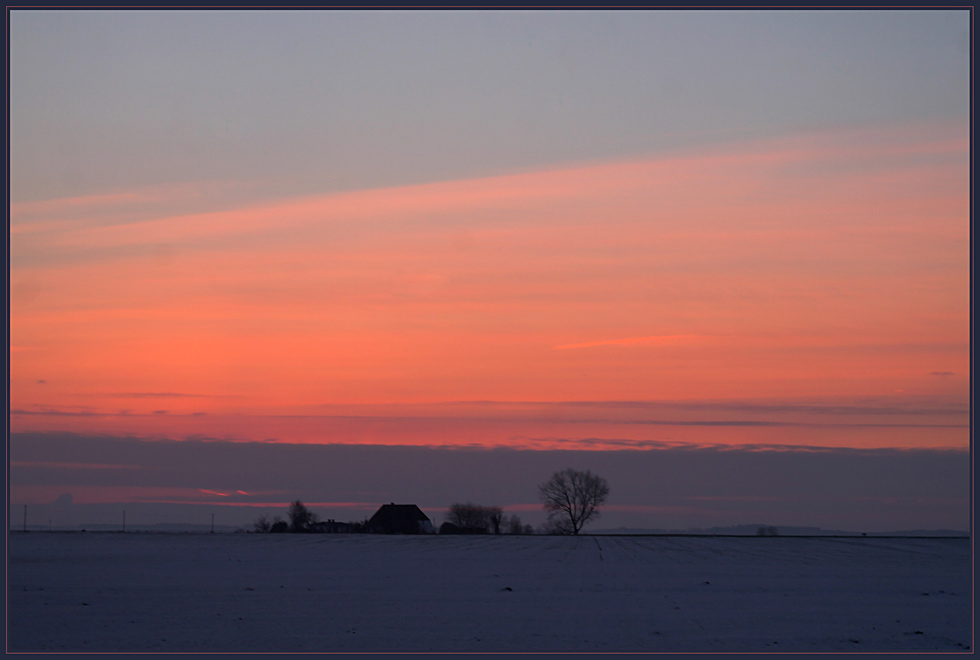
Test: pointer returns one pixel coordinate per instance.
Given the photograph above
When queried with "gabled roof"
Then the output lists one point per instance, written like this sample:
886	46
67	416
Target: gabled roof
398	519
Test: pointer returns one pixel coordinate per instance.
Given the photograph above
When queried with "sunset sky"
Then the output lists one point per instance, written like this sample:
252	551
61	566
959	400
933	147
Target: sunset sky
600	238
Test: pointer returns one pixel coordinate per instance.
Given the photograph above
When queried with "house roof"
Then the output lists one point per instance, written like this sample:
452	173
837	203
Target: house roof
398	517
399	512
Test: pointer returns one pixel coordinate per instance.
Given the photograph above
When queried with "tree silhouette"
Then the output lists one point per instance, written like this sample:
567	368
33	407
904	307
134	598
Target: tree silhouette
262	525
514	526
301	519
494	517
472	518
468	517
572	498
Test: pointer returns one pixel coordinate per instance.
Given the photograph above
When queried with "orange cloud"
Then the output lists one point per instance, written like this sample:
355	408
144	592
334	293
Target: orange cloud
656	340
806	266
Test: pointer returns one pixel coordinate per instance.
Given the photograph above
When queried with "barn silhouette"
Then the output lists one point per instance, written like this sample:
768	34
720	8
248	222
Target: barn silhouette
400	519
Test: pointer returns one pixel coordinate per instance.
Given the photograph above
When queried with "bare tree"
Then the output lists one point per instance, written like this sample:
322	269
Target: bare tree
301	519
468	516
494	517
514	526
572	498
262	525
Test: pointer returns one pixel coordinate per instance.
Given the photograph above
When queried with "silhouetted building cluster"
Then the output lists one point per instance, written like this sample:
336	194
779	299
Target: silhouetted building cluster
389	519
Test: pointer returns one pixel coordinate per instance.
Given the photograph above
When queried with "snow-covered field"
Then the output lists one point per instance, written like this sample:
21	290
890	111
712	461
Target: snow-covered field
232	592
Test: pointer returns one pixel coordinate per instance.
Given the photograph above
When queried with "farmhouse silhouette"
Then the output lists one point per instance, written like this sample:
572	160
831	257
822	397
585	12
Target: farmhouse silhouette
400	519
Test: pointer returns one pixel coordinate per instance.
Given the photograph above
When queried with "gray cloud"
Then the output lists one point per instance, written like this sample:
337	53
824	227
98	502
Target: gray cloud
668	487
55	413
889	406
526	413
536	78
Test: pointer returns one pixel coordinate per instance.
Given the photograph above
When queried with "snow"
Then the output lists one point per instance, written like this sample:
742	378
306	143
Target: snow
76	591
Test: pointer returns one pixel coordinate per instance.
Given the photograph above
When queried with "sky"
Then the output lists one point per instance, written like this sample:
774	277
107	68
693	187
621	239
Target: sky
600	238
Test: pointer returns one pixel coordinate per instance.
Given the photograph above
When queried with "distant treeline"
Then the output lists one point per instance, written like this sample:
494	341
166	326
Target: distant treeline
303	521
465	518
571	497
472	518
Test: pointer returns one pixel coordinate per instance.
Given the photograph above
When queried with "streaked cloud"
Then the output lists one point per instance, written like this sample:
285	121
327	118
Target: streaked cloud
860	422
712	485
464	287
55	465
213	492
591	275
166	395
663	340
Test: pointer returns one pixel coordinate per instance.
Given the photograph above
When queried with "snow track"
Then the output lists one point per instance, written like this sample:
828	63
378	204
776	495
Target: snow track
174	592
